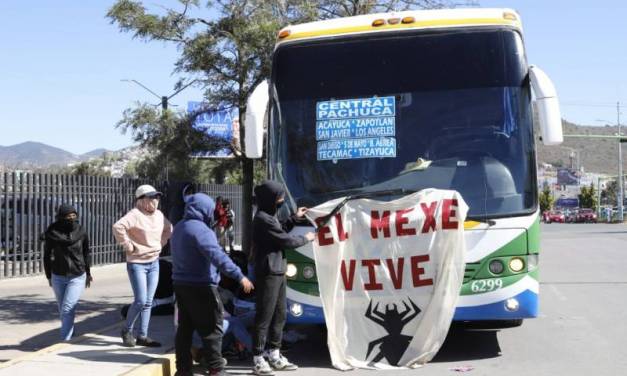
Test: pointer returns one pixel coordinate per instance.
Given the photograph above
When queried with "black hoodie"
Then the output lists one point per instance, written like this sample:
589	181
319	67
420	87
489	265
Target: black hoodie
66	250
270	237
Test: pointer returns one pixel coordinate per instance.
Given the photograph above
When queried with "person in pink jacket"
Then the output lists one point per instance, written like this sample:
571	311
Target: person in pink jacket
142	232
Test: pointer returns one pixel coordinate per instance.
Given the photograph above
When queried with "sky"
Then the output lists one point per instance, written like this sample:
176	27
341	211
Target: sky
62	62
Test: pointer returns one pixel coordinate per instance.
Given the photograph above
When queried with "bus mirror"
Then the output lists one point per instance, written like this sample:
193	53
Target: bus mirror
547	105
253	122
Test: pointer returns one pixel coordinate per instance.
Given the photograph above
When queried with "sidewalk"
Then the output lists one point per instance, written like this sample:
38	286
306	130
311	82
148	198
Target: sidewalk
94	354
28	313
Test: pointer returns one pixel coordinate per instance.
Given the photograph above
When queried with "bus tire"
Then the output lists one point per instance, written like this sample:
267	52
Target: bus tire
510	323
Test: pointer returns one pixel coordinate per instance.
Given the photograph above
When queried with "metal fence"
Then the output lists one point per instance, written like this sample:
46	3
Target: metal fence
28	204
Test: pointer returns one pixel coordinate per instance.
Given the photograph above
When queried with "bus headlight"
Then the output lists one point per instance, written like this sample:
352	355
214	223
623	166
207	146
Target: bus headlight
496	267
296	309
291	270
309	272
516	264
512	305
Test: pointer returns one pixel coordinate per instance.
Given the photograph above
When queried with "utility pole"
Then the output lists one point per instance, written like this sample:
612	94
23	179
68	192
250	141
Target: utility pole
164	106
620	167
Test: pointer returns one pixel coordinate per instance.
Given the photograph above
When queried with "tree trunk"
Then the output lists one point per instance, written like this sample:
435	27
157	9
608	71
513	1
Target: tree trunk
247	204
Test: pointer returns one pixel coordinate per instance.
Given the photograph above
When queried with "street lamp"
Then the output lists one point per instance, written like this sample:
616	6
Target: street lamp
620	163
574	163
164	106
163	98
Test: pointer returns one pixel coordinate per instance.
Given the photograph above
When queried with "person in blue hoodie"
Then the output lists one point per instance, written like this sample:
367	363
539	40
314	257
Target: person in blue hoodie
197	262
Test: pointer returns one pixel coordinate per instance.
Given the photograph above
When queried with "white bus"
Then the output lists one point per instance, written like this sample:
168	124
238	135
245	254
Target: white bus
386	104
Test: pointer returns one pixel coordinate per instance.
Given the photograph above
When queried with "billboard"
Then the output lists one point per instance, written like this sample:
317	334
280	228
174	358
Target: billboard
219	124
564	202
568	176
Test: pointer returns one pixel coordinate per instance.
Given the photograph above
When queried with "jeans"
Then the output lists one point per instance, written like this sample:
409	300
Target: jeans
271	312
144	279
67	290
233	324
200	310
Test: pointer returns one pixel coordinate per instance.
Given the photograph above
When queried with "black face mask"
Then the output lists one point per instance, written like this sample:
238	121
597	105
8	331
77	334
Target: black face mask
279	204
68	224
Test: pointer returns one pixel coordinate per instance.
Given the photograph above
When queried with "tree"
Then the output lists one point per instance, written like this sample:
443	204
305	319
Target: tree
346	8
588	197
228	54
546	199
610	193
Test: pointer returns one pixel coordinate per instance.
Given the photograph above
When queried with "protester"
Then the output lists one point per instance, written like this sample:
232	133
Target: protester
67	260
220	221
197	263
229	228
142	232
176	201
163	301
270	238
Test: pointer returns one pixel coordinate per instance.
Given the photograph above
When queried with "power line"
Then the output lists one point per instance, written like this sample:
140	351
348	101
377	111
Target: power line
582	104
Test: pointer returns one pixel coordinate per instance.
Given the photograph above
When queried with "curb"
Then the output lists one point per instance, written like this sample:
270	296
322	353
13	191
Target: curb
55	347
162	366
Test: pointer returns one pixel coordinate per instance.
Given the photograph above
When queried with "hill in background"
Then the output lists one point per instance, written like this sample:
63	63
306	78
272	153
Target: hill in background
595	155
36	155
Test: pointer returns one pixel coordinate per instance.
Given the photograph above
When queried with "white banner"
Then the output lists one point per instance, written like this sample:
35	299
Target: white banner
389	275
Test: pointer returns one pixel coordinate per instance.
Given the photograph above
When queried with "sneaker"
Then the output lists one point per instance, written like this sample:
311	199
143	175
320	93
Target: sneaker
127	338
147	342
262	368
282	364
184	373
205	364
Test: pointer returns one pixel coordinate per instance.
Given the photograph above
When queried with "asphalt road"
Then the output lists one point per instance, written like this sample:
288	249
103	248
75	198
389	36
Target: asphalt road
581	329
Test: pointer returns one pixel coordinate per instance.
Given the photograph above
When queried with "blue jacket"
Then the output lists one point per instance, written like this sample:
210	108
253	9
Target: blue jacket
197	259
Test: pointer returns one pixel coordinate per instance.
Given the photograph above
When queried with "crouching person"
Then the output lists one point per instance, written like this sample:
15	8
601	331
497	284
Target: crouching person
198	261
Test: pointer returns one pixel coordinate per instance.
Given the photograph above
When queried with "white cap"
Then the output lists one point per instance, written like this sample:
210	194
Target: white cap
147	190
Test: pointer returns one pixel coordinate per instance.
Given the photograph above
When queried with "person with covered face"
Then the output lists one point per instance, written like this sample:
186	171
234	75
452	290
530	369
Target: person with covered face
197	261
270	239
142	232
67	260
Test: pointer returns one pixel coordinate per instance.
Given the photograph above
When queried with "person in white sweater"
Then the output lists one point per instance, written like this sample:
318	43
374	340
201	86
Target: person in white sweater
142	232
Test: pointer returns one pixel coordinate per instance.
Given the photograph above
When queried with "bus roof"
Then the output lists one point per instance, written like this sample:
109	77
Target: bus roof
405	20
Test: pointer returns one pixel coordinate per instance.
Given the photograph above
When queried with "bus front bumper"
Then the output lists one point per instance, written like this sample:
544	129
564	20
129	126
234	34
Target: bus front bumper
521	306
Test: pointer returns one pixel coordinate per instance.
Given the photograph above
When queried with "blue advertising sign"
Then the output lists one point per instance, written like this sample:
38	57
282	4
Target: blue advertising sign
382	147
217	124
567	203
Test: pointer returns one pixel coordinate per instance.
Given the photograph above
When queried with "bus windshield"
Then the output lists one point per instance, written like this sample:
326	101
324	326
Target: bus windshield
458	117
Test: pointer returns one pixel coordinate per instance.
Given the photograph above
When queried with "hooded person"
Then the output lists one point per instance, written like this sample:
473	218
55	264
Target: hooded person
67	260
270	239
197	262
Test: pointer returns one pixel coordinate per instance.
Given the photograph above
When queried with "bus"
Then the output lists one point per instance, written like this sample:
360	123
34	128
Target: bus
385	104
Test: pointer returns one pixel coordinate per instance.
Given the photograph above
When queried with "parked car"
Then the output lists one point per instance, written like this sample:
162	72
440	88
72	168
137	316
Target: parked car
570	215
556	216
586	216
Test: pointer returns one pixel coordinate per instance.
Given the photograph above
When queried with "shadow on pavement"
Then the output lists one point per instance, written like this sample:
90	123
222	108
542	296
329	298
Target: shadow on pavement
26	309
119	355
463	344
109	315
312	352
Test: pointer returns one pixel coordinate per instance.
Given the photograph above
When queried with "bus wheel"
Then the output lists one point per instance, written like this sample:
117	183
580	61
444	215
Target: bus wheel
510	323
